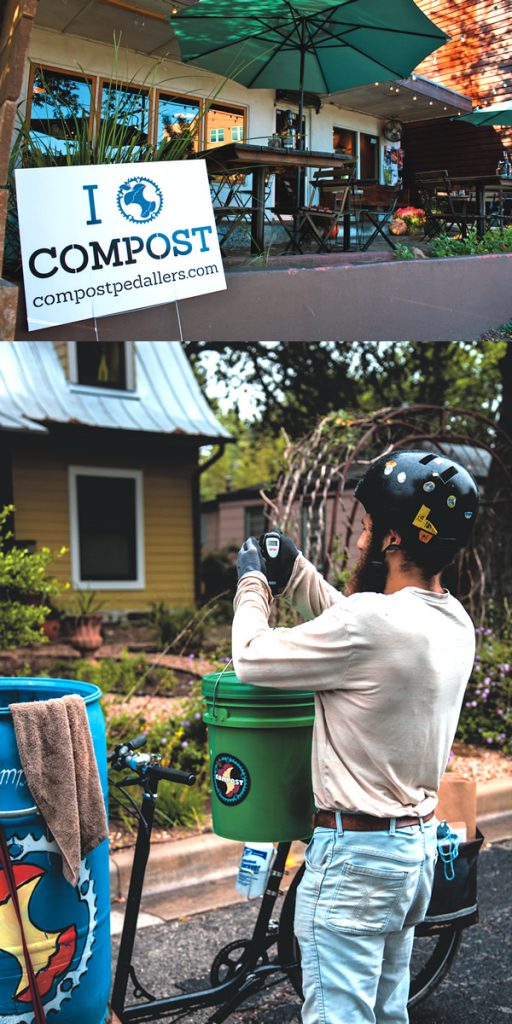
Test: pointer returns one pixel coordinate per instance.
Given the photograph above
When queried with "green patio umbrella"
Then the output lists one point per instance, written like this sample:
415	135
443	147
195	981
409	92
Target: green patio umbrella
306	45
499	114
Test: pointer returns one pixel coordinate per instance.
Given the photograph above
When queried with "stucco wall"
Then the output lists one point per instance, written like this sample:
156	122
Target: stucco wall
76	54
455	299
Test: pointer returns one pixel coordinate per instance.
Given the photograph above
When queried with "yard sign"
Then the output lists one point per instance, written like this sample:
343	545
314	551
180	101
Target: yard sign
102	240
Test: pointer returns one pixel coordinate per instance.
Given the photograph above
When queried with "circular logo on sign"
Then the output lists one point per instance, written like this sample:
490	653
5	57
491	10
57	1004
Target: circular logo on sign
139	200
231	780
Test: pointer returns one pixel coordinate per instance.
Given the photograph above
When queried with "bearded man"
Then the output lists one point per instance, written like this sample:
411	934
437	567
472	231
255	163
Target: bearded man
389	664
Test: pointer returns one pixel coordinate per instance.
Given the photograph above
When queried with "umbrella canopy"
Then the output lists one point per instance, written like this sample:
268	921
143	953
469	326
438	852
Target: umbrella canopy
499	114
311	45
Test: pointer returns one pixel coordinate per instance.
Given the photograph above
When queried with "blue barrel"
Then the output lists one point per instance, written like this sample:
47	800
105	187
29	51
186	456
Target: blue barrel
67	929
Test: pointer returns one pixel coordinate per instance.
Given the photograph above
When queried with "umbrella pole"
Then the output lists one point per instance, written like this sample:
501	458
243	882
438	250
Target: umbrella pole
300	136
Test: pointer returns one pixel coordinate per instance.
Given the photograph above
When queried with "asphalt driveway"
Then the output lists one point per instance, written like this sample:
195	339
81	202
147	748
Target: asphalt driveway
477	990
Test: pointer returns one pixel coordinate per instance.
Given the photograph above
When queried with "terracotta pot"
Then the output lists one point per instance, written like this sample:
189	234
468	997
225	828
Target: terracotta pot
85	633
51	628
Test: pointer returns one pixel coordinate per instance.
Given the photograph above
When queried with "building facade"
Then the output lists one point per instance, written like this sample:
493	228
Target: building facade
100	449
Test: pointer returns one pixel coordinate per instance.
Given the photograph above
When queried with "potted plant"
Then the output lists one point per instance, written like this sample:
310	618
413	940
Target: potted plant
407	220
84	630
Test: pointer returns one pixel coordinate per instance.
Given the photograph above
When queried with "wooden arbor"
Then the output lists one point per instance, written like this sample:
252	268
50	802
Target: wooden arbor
324	465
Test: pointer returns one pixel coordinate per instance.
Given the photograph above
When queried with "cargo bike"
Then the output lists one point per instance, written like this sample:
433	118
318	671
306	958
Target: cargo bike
270	954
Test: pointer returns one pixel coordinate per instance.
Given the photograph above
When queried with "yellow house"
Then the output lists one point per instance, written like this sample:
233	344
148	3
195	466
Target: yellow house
100	446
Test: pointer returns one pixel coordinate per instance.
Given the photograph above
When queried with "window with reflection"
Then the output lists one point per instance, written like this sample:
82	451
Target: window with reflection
224	123
102	364
344	141
124	117
60	109
178	120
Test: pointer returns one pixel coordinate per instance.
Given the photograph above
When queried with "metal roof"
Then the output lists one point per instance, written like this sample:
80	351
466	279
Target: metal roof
34	392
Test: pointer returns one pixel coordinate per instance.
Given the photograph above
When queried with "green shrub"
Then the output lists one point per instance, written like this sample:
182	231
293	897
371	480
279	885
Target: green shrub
493	241
402	252
183	627
125	675
486	716
218	572
25	589
181	741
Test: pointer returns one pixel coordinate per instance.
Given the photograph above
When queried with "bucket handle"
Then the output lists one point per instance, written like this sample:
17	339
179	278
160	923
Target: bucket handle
230	662
18	814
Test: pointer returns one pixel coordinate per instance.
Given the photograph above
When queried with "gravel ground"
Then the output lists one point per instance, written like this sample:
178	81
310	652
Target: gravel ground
477	990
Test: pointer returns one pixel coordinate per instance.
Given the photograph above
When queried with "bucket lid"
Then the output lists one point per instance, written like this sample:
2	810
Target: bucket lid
18	689
230	688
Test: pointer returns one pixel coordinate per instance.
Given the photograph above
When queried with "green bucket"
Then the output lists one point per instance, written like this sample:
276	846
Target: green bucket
260	759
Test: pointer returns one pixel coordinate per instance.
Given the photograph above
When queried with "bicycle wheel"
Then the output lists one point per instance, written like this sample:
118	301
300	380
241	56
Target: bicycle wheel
431	957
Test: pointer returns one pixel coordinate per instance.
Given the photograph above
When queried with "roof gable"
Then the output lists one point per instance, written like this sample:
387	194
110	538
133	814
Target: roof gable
34	393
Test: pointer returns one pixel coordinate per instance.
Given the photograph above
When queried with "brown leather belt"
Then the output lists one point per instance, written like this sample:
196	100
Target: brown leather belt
363	822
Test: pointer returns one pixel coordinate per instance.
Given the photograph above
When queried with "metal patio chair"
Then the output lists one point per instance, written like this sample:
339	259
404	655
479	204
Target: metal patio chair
375	205
446	208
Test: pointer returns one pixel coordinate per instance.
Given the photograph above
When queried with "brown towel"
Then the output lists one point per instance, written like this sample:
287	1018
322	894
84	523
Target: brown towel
57	755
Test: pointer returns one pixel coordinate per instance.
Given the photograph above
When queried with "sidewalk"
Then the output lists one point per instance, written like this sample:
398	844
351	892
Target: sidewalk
197	874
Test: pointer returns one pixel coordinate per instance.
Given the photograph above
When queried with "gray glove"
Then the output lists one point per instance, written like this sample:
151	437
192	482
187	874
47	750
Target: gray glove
280	553
250	558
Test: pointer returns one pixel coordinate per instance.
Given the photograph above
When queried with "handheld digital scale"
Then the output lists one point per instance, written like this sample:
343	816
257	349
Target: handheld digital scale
271	549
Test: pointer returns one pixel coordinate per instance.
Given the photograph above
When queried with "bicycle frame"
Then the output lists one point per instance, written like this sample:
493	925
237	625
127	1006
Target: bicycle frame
227	995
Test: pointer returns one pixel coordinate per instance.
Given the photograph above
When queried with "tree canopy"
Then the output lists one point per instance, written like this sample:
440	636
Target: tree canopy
295	383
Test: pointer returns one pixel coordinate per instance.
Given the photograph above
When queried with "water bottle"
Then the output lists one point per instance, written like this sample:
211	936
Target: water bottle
448	843
254	870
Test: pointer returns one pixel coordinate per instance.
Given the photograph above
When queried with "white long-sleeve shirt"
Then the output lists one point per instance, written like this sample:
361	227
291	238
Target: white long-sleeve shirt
388	672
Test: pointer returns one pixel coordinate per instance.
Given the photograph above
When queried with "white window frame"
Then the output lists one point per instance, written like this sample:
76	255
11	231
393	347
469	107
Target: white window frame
90	389
215	132
76	581
238	129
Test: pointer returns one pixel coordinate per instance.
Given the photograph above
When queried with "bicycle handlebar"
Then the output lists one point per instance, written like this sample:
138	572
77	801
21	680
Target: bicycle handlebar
139	741
174	775
124	756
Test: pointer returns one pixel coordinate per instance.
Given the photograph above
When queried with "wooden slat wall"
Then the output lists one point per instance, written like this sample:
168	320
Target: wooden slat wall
478	59
476	62
40	483
457	147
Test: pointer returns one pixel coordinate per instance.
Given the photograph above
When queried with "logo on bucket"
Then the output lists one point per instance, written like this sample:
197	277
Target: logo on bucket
231	780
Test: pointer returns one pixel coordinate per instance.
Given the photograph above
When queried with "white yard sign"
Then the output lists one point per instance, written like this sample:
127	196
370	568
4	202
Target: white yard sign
102	240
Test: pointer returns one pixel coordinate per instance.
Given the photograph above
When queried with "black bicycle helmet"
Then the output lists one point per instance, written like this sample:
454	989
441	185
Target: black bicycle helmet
428	497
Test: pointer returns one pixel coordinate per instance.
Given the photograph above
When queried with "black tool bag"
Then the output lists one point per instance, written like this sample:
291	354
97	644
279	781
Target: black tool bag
454	901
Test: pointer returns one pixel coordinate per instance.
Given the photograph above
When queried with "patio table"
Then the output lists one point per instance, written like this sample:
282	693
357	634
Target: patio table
262	161
480	183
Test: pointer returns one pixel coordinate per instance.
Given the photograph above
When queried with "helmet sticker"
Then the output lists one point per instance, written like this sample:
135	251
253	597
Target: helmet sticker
389	467
401	478
422	521
451	501
425	538
468	515
429	486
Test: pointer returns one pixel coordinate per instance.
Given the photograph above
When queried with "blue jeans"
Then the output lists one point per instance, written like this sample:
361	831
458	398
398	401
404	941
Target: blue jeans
361	895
